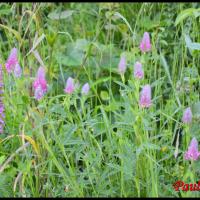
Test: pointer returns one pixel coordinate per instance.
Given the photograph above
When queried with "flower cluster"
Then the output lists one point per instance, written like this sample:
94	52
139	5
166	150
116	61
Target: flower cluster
138	72
187	116
145	95
145	44
40	88
71	86
12	63
192	153
122	65
40	84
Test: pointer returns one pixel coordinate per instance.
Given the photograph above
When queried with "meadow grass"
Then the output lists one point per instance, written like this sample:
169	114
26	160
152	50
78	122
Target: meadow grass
101	144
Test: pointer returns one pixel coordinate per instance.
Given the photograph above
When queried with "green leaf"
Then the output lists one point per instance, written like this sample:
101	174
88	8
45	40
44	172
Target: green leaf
184	14
104	95
5	11
74	58
25	99
2	158
75	53
191	45
60	15
57	108
196	109
101	80
195	46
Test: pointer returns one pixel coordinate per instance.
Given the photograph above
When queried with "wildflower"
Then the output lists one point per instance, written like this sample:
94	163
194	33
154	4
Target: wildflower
85	89
39	93
40	84
192	153
145	44
145	97
122	65
11	61
2	115
70	87
41	73
138	72
187	116
17	70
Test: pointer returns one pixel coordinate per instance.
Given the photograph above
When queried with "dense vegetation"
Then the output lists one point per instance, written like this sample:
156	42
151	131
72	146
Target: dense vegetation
60	141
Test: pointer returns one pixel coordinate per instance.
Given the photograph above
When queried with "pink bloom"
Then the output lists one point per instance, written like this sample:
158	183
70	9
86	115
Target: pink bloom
17	70
145	44
192	153
70	87
145	97
11	61
85	89
41	73
138	72
40	84
187	116
39	93
122	65
40	79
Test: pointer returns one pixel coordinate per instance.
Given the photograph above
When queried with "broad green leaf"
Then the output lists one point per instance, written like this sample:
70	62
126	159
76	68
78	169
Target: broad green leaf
60	15
74	54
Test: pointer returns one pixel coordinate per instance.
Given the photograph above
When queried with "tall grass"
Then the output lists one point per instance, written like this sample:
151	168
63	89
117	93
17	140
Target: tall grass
102	144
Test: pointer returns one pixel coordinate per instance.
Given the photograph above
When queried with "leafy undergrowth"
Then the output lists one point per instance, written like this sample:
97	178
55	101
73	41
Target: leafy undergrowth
59	141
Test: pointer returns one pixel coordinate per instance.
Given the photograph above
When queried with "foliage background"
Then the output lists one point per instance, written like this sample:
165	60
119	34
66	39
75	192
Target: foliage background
102	144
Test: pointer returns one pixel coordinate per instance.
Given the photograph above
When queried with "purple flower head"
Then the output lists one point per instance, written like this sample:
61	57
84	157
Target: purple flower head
145	44
122	65
145	97
70	87
41	73
192	153
2	115
39	93
187	116
85	89
40	84
40	80
17	70
138	72
11	61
